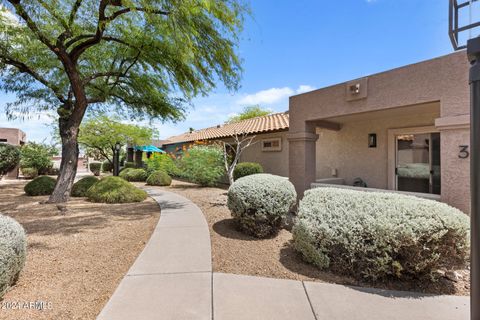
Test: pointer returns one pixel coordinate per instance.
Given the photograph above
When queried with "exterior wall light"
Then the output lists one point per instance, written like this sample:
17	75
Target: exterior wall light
372	140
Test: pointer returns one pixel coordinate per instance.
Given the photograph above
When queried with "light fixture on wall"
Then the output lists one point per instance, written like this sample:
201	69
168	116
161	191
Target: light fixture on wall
372	140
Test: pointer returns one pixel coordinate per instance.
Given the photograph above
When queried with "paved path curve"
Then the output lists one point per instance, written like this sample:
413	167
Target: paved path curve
172	279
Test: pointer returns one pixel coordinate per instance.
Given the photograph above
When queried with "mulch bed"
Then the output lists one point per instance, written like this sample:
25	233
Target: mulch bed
74	261
235	252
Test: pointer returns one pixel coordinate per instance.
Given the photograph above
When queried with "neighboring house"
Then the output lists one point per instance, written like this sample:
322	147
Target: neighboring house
270	148
406	129
14	137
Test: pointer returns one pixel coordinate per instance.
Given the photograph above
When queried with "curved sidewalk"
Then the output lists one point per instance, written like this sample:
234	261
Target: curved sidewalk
172	279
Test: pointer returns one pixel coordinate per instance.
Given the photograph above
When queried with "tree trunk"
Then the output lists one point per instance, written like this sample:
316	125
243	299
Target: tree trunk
68	166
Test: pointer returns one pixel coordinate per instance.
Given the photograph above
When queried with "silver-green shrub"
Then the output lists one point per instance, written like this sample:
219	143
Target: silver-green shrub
373	235
13	250
260	202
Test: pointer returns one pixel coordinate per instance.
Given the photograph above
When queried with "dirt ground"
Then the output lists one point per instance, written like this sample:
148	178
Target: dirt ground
234	252
74	261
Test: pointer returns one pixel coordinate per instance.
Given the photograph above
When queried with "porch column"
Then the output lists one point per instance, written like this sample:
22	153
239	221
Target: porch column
302	159
138	158
130	154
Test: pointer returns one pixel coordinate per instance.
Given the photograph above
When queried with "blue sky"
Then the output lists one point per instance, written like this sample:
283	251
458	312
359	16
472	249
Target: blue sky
290	47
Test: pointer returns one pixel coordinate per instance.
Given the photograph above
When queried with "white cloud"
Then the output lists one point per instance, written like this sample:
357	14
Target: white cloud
269	96
304	88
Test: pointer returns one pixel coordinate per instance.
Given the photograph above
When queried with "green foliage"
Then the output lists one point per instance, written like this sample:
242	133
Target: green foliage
9	158
29	173
40	186
371	235
249	113
127	53
162	162
107	166
95	168
13	252
203	165
246	168
115	190
101	133
38	156
159	178
259	203
81	187
129	165
134	175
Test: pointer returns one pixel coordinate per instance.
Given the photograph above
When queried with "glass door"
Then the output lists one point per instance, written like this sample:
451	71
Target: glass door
418	162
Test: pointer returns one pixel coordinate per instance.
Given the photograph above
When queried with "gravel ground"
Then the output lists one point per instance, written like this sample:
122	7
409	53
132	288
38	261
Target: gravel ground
234	252
74	261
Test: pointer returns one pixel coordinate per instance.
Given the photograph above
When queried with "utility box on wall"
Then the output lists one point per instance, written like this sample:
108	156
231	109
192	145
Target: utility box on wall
356	89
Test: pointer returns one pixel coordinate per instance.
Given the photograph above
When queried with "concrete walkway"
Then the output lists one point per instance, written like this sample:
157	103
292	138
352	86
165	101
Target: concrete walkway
172	279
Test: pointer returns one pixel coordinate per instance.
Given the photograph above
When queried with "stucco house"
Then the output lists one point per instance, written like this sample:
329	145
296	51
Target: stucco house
14	137
406	129
270	148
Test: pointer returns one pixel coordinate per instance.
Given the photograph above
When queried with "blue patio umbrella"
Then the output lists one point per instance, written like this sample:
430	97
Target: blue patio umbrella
149	148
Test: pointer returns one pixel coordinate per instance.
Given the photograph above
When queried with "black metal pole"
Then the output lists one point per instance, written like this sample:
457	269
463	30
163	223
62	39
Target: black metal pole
473	51
116	162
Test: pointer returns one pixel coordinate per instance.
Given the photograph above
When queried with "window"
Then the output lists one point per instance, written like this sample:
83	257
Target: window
274	144
3	140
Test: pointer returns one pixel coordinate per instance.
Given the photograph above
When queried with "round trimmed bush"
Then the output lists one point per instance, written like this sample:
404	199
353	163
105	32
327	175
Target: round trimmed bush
80	187
29	173
159	178
129	164
107	166
13	251
374	235
259	203
245	169
9	158
134	175
115	190
40	186
95	168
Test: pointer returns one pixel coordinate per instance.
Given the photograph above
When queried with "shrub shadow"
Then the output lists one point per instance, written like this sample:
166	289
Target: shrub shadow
228	228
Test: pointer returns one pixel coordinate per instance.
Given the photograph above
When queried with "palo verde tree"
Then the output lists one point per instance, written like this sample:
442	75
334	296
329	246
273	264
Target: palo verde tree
249	113
144	57
100	134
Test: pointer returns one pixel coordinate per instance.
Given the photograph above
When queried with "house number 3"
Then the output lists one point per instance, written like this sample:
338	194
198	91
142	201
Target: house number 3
464	153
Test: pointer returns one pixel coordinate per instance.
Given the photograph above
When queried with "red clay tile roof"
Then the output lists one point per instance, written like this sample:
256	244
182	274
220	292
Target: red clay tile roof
263	124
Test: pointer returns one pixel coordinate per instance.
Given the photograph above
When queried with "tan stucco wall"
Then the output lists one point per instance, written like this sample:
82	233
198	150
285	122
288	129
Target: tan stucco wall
274	162
347	149
443	80
14	137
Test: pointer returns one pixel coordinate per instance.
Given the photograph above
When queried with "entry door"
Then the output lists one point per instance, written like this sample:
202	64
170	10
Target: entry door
418	162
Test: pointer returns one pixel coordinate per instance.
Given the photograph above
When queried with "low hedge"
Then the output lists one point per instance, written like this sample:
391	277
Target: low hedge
159	178
29	173
13	251
134	175
115	190
95	168
244	169
259	203
40	186
373	235
129	165
81	187
107	166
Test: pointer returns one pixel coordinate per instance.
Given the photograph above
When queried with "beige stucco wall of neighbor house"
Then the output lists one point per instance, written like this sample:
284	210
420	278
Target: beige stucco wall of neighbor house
347	150
443	80
274	162
14	137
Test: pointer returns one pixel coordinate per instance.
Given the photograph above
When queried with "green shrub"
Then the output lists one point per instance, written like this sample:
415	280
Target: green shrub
134	175
9	158
107	166
13	251
372	235
80	187
129	165
53	171
162	162
38	156
245	169
259	203
40	186
159	178
29	173
115	190
95	168
203	165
